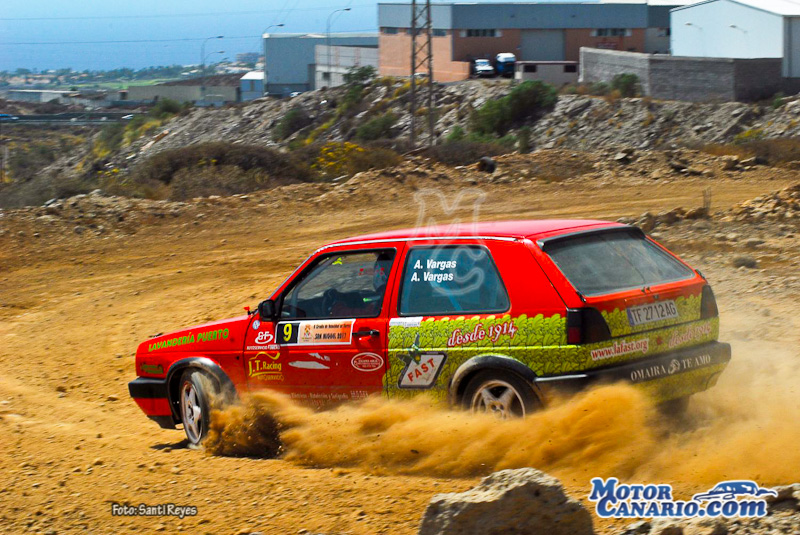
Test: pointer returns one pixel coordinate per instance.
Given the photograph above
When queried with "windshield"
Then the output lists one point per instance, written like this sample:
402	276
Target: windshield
605	262
482	62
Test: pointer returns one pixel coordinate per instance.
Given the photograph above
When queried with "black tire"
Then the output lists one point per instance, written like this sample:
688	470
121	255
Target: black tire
496	384
194	399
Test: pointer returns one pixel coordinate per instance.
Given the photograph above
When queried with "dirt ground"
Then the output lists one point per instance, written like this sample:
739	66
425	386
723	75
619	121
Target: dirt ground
73	308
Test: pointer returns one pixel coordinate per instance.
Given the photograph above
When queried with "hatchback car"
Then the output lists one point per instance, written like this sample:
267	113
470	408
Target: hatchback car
491	317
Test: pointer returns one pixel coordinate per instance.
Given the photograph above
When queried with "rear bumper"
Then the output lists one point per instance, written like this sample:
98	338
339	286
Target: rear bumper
666	376
151	394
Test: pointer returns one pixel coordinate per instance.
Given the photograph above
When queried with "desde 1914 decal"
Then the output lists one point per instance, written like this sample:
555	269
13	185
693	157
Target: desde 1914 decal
367	362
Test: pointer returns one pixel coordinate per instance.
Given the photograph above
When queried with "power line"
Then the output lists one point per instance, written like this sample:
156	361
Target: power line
169	15
128	41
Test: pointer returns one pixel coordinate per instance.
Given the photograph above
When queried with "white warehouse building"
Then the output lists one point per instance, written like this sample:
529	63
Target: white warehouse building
739	29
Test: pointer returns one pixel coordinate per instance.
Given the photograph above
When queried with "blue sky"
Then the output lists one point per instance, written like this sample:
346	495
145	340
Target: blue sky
24	22
241	21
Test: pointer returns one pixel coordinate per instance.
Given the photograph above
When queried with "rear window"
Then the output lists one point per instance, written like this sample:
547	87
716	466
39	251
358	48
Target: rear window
451	280
607	262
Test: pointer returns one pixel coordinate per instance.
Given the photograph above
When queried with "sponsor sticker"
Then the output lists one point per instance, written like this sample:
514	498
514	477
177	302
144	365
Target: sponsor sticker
415	321
729	499
367	362
422	373
191	338
264	368
621	348
316	332
692	333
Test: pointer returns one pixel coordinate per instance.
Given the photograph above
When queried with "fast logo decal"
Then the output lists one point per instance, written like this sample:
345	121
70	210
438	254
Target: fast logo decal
422	368
205	336
316	332
153	369
264	368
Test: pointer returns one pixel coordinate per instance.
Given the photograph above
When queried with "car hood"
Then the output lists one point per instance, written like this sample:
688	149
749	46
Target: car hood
224	335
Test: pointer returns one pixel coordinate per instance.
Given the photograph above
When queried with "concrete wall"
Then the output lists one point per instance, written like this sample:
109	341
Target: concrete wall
182	93
725	29
342	59
551	73
791	47
687	78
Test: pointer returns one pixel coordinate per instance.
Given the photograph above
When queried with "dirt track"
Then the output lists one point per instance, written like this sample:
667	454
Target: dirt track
73	308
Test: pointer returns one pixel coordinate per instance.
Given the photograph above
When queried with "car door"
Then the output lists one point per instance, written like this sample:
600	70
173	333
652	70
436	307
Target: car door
330	337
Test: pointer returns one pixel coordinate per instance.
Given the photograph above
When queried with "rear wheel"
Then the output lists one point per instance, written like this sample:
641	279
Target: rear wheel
501	394
195	405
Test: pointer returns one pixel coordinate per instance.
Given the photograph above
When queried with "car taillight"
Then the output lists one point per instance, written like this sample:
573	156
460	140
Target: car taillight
586	326
708	304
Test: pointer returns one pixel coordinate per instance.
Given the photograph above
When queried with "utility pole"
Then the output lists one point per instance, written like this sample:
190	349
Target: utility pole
421	60
328	42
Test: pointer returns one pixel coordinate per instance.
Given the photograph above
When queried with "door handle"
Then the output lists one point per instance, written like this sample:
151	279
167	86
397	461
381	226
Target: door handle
368	332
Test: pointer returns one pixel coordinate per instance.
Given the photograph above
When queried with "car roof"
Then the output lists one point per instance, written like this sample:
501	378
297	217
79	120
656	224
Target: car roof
532	229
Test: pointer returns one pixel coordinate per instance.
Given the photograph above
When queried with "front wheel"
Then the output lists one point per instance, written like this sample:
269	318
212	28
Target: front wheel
501	394
195	405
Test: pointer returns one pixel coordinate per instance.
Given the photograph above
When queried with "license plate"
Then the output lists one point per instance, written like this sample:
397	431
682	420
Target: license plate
660	310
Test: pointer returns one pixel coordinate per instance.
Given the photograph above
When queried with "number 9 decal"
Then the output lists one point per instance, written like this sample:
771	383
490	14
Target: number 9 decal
287	331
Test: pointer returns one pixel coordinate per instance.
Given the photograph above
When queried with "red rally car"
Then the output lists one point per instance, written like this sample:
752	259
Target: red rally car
489	316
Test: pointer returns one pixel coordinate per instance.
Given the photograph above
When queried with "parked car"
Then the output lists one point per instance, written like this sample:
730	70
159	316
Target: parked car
493	317
504	64
483	68
8	117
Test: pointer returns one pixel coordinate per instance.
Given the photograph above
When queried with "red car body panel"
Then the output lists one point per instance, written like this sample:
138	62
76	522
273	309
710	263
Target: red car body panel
319	362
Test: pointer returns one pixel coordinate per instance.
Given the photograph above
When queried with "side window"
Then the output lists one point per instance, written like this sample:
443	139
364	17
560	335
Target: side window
451	280
340	285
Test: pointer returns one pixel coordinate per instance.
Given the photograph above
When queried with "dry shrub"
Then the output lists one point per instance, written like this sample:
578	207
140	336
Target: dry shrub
464	152
219	180
776	152
165	165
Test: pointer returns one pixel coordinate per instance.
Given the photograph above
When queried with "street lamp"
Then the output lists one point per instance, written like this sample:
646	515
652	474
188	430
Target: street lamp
328	33
203	79
203	64
266	30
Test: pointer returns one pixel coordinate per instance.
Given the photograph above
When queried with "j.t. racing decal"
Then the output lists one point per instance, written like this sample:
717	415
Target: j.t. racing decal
263	366
315	332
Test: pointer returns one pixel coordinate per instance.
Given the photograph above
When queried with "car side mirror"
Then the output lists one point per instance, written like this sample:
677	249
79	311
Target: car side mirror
266	310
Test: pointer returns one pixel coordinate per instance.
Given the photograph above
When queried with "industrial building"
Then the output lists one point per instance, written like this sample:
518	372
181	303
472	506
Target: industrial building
744	29
203	91
332	63
290	59
531	31
252	85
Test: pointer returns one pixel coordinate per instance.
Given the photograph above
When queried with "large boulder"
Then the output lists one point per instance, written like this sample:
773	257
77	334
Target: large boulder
509	502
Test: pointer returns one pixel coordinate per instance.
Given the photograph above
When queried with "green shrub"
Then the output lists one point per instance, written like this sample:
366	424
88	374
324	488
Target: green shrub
295	119
352	98
165	108
494	117
627	84
526	100
457	134
748	136
377	128
778	100
360	75
524	140
599	89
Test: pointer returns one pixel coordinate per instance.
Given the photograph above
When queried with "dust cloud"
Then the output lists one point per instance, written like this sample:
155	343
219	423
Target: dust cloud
747	427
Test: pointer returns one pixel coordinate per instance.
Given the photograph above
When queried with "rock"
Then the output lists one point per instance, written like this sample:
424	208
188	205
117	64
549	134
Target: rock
646	222
522	501
746	261
749	162
622	157
112	397
785	493
729	163
61	388
637	528
753	243
487	165
701	212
